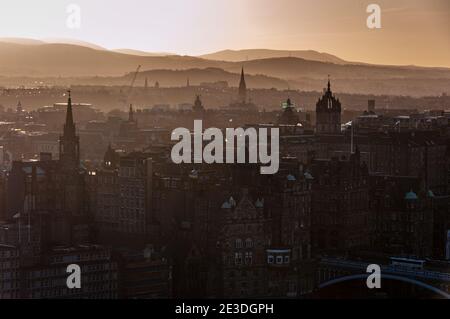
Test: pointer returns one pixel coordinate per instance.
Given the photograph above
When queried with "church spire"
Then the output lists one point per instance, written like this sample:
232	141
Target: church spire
242	87
69	126
131	114
69	144
329	84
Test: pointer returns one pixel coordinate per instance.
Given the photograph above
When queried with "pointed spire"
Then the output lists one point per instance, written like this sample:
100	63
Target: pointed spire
131	114
329	84
69	115
242	87
69	147
242	82
69	126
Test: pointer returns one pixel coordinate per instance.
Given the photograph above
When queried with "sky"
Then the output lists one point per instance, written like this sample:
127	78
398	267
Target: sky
412	31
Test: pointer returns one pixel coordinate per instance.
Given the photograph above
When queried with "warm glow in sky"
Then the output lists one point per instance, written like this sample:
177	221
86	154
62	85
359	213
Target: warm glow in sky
413	31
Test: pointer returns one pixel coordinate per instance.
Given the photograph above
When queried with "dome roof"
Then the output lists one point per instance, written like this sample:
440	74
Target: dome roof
291	178
308	175
259	203
411	196
226	205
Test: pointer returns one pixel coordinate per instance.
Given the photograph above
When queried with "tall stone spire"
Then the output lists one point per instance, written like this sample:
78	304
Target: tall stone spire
69	125
242	87
69	143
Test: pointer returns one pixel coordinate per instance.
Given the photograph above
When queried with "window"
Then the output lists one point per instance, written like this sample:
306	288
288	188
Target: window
248	258
248	243
238	258
279	259
270	259
286	259
238	243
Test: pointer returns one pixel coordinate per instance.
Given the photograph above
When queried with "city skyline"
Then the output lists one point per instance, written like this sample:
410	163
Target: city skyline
201	27
135	166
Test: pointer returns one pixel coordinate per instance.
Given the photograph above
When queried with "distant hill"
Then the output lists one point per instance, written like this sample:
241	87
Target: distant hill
294	68
73	42
23	41
257	54
141	53
75	61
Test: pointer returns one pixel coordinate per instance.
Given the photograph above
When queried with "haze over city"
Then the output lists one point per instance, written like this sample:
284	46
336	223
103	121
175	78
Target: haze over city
243	150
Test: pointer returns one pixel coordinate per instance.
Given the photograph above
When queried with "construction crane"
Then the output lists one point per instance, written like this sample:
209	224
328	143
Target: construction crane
130	89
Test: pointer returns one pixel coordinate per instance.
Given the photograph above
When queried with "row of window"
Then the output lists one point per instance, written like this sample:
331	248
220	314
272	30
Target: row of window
246	259
248	243
278	260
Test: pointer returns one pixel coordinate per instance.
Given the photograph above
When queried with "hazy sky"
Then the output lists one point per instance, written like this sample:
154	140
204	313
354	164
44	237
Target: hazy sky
413	31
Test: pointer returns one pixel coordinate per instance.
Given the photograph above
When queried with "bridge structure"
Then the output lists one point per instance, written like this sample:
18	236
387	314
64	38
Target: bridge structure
334	270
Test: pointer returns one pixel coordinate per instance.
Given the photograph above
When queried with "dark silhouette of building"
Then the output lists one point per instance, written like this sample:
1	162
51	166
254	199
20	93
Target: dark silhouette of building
198	108
129	128
288	115
340	207
53	191
328	113
402	214
371	106
69	142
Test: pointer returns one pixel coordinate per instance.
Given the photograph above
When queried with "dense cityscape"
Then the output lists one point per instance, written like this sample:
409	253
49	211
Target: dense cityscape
225	158
356	186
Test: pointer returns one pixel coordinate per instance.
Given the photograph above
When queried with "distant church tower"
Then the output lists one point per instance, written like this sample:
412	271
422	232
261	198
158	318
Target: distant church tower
131	114
198	106
242	88
69	142
328	113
